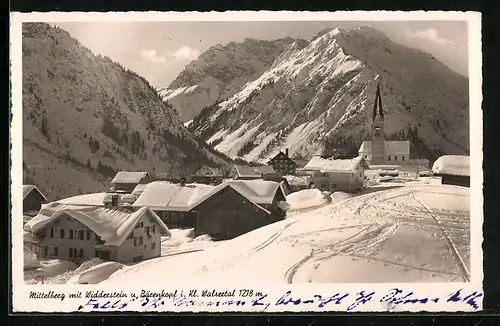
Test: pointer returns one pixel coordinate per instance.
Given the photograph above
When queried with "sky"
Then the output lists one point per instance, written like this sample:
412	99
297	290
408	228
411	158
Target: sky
159	51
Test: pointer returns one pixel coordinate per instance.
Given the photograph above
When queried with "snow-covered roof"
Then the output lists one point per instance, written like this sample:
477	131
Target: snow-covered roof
169	196
95	199
211	171
129	177
111	225
123	198
259	191
335	165
29	188
139	189
452	165
300	181
392	147
253	171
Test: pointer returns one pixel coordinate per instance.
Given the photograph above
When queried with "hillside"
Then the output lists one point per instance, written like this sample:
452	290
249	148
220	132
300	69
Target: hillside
220	72
85	116
319	94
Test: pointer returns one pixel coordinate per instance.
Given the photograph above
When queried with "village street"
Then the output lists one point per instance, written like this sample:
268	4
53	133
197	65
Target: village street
410	231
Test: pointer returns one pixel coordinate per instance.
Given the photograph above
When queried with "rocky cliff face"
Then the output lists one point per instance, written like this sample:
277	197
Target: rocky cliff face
219	73
319	93
85	117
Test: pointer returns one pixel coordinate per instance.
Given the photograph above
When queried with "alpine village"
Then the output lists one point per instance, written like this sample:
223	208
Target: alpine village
133	219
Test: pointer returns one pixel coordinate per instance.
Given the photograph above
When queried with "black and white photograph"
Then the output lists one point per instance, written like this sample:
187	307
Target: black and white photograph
231	149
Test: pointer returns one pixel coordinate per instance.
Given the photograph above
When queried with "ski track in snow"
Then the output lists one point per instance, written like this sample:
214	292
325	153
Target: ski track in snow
370	220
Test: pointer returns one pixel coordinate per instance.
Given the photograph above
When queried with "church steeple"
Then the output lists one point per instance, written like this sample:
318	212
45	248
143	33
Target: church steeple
377	105
378	142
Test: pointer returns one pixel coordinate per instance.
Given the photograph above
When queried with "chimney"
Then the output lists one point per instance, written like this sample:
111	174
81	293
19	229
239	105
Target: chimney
286	151
182	182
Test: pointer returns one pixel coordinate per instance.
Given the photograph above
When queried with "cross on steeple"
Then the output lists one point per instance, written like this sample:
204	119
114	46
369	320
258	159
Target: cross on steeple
377	104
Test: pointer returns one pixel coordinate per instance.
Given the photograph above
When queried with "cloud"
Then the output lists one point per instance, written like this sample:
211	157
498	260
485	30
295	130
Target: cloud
184	53
431	34
151	55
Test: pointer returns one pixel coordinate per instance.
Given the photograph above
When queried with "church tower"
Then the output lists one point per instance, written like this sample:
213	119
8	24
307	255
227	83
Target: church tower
378	147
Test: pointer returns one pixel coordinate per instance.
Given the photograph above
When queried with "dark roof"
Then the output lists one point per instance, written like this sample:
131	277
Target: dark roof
281	155
27	189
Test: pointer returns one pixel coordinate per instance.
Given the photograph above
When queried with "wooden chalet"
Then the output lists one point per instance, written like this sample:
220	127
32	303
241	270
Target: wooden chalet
126	181
283	164
224	211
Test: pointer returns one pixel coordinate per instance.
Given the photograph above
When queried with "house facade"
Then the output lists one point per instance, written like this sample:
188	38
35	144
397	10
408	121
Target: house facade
32	200
347	175
126	181
283	164
81	234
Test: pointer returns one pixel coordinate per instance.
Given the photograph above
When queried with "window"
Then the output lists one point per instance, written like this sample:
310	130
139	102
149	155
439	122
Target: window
139	225
61	233
70	252
88	234
50	251
71	233
389	158
153	246
154	229
81	234
140	240
147	229
135	242
51	233
80	254
395	158
403	158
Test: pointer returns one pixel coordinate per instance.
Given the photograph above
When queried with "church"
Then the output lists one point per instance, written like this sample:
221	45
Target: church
378	151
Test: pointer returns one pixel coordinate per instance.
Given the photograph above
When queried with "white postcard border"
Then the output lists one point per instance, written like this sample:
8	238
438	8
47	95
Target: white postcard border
20	291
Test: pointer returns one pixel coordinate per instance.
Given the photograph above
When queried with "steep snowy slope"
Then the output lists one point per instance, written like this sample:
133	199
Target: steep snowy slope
220	72
85	116
320	94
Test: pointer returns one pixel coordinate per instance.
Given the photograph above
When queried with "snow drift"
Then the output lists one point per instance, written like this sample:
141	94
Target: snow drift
306	199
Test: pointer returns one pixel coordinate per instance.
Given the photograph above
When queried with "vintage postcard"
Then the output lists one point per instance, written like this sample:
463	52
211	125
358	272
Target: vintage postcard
246	162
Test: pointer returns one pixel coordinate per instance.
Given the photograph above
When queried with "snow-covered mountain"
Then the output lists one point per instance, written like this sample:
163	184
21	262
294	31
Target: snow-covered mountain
220	72
319	93
85	116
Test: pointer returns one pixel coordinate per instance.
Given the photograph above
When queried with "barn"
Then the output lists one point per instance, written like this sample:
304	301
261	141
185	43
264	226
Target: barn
126	181
226	213
32	200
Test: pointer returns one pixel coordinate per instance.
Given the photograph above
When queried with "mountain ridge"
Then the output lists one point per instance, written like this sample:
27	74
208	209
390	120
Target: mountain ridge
318	94
86	117
219	72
